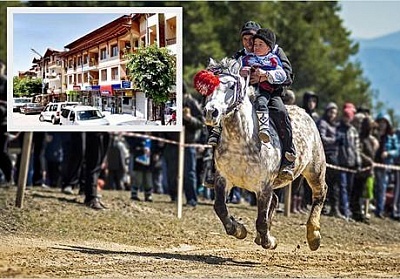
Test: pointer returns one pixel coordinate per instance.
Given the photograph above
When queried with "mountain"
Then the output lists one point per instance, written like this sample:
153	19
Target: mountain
380	60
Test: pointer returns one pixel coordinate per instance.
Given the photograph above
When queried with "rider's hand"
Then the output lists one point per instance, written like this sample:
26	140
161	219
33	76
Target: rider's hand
259	75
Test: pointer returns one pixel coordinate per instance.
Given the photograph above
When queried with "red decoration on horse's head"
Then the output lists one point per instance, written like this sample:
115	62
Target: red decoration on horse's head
205	82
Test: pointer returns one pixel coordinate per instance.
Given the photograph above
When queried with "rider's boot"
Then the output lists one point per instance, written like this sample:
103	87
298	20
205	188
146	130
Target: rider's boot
287	166
213	138
263	122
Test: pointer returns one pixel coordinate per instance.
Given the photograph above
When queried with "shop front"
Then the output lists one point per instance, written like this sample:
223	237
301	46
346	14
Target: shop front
126	97
90	96
107	100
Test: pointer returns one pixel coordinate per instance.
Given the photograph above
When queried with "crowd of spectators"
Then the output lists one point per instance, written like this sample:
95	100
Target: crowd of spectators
360	152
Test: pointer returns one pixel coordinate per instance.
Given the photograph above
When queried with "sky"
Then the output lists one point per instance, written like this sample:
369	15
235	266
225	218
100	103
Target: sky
41	31
365	20
370	19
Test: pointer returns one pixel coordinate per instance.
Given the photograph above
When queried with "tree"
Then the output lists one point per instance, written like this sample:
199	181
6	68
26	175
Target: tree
153	70
26	87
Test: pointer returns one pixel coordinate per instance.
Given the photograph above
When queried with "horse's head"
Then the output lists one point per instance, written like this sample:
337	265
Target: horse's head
223	88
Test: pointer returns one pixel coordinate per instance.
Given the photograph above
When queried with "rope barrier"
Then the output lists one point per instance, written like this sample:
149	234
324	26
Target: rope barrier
132	134
374	165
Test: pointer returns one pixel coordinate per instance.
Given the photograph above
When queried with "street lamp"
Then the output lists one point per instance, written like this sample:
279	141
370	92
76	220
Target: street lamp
42	67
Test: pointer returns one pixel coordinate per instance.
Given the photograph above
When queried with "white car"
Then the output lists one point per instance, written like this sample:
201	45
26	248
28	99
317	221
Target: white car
52	111
82	115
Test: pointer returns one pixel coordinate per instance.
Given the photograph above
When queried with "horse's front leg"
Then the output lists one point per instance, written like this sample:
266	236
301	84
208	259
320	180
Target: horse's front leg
266	203
232	227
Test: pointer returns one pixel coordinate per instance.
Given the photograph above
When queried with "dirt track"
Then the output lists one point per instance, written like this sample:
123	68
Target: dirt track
54	236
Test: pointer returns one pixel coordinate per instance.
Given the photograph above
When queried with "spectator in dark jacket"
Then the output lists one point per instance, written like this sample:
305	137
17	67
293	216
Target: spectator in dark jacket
327	125
349	156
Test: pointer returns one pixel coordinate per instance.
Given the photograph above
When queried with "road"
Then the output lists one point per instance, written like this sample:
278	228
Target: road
32	120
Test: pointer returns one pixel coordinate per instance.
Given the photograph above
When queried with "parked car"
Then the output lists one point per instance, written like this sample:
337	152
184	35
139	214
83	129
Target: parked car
18	102
82	115
52	111
31	108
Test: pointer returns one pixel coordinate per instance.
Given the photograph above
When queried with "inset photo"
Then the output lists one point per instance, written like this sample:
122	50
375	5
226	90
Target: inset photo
94	69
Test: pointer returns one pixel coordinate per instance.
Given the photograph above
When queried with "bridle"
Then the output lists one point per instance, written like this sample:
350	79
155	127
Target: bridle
239	90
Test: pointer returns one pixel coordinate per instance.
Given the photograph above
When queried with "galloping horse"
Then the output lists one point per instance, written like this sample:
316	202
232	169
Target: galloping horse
242	160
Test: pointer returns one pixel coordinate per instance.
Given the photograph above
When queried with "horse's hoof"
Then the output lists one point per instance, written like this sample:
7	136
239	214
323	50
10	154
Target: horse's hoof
272	244
314	241
241	231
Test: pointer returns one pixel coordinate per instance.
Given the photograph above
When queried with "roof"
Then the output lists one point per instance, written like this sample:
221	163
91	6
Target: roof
50	52
113	29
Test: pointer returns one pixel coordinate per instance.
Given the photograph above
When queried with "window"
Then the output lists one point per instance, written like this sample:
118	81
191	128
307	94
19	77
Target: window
79	78
70	80
70	64
85	78
114	50
79	60
85	59
114	73
103	75
103	53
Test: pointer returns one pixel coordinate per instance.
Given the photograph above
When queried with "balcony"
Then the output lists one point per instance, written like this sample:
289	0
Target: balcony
54	64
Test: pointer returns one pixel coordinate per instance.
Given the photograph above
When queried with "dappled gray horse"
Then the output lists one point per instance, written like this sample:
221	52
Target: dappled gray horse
242	160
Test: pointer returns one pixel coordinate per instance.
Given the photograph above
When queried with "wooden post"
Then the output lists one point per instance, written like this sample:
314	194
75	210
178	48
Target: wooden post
23	168
288	200
181	166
